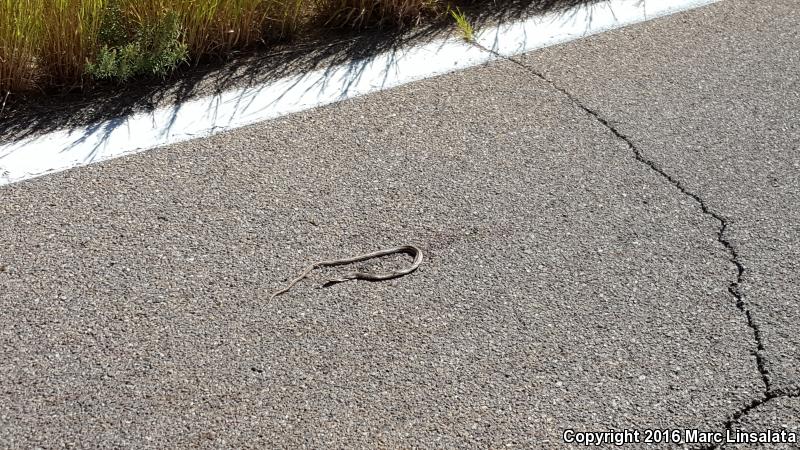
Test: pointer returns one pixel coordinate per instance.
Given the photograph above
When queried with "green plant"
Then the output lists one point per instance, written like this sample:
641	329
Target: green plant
155	50
468	33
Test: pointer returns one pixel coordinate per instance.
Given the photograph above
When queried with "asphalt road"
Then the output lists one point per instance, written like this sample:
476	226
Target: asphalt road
719	112
568	283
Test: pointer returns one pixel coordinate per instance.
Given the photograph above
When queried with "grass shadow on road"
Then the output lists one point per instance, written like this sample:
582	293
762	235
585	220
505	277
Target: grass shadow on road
37	114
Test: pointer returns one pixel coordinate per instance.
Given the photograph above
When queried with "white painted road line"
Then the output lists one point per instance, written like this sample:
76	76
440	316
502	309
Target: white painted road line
202	117
545	30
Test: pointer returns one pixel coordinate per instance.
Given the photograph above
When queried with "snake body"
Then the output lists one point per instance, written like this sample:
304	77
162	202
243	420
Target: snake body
408	249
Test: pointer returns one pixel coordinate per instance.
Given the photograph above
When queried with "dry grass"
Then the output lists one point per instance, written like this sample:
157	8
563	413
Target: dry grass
208	26
20	31
69	37
47	43
361	13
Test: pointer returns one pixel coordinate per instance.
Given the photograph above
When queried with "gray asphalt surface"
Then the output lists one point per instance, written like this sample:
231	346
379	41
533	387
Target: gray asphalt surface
567	284
780	413
719	112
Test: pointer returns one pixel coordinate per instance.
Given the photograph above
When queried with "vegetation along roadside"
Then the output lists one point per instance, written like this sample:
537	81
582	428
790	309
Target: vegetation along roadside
70	44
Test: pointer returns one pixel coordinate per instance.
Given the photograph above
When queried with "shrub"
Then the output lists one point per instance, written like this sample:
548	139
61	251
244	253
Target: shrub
156	49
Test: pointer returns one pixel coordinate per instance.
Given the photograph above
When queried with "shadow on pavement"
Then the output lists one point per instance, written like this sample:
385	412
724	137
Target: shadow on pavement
35	114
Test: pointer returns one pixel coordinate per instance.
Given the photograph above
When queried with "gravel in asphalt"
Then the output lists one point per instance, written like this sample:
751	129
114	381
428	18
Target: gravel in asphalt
712	97
566	284
779	414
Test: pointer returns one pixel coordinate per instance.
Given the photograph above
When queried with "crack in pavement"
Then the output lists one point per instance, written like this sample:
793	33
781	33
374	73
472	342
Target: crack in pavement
733	288
736	416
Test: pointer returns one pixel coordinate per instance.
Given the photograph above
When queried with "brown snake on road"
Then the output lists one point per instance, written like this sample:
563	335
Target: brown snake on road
408	249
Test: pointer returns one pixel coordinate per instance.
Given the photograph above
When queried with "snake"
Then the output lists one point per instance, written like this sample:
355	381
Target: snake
415	252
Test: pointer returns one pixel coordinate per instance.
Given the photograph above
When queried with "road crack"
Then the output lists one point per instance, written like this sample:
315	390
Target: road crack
770	392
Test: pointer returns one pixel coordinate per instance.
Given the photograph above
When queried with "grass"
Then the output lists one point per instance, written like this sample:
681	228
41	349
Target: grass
20	29
361	13
468	33
69	37
67	44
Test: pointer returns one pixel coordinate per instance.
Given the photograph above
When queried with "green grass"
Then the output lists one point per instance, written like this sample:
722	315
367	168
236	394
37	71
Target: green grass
70	43
467	32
